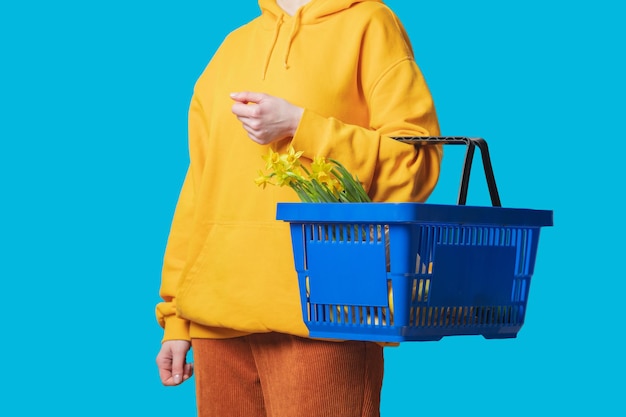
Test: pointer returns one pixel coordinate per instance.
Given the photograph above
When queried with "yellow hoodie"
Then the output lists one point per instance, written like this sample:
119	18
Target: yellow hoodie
228	267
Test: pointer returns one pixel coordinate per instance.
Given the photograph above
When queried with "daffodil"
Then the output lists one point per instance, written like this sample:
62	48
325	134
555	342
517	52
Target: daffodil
262	180
321	170
291	158
327	181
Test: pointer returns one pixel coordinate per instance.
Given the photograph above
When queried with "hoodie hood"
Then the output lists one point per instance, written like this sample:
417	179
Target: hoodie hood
274	17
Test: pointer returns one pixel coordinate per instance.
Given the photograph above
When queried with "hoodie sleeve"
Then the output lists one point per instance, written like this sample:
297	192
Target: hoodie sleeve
399	103
182	228
173	263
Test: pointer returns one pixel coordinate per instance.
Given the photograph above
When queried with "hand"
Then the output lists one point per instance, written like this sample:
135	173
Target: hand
171	362
266	118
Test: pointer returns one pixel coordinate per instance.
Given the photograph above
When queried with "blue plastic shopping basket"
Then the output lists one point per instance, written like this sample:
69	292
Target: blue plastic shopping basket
395	272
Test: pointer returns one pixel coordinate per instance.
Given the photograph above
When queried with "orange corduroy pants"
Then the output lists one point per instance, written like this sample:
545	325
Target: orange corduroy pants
278	375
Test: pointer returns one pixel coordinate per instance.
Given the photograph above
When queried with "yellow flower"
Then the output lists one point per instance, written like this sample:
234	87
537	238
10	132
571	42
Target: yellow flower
292	157
288	177
262	180
327	181
321	170
272	160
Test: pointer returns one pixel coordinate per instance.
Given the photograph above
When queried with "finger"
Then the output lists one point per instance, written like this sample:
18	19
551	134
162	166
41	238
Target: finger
247	97
164	365
246	113
178	367
188	372
251	125
165	375
242	110
165	372
254	134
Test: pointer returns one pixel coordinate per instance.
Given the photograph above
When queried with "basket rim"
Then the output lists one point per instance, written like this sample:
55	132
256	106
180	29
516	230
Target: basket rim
411	212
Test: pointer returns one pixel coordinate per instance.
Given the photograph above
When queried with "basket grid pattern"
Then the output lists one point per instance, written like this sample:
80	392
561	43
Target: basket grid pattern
416	309
423	314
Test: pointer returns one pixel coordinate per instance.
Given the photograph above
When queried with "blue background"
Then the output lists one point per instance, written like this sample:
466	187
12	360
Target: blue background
94	98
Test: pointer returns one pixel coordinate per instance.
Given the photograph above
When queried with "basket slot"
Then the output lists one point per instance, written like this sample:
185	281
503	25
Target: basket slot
528	239
519	290
349	315
419	290
459	316
345	232
425	247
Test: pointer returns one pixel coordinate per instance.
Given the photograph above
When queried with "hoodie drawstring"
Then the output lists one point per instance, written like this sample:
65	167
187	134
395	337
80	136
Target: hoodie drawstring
297	20
279	23
292	35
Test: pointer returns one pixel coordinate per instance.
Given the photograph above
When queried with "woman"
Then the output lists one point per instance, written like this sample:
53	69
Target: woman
334	78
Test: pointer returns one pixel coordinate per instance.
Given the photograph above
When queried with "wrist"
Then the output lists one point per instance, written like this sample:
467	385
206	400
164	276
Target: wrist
295	120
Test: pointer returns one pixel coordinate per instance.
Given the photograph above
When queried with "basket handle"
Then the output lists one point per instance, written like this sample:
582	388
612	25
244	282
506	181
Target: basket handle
471	143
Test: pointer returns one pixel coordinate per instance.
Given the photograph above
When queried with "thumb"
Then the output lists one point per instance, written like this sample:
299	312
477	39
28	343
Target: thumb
247	97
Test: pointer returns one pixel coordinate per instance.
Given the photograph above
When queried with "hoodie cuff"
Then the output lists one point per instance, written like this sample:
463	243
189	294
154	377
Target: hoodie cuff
311	132
176	329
